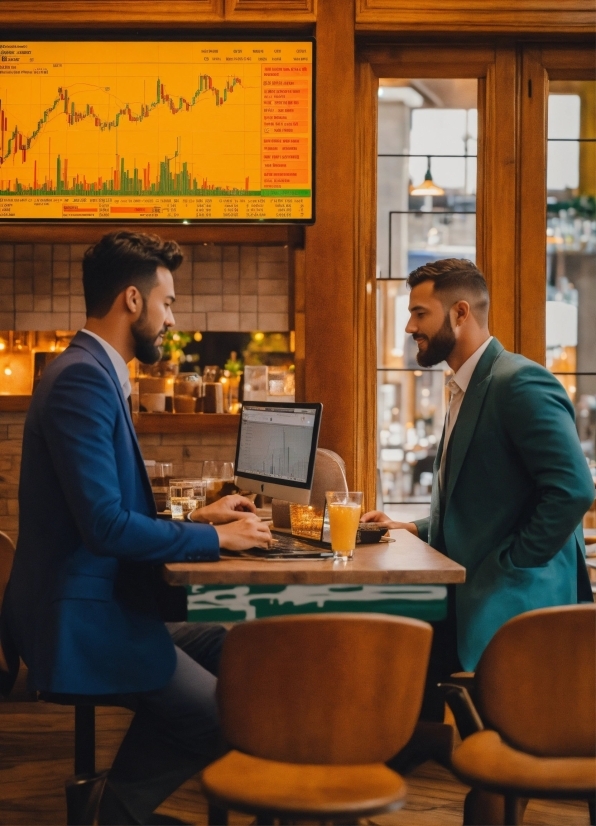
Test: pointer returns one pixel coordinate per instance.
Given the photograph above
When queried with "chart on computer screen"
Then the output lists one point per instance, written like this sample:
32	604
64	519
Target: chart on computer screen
276	444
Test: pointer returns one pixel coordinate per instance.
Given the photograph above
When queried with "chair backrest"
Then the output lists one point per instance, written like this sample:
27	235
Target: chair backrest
327	689
536	682
6	559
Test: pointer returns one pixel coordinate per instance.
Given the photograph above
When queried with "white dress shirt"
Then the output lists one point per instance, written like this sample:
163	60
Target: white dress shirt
118	362
457	386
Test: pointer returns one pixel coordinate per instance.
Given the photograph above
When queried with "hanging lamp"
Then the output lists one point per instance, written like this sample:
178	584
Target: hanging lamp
428	186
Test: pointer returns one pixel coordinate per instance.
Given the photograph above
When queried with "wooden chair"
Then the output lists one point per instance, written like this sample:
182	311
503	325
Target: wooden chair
532	725
313	706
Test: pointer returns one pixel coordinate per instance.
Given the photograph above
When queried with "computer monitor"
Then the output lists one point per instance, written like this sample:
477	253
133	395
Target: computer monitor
277	445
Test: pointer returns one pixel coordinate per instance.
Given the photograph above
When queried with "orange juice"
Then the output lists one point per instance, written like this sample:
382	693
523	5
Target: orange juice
343	522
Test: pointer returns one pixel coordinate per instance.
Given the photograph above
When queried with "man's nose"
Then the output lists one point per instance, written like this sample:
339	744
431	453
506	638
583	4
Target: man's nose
411	326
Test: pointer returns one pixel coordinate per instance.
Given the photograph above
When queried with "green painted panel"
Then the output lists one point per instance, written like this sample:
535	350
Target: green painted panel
207	603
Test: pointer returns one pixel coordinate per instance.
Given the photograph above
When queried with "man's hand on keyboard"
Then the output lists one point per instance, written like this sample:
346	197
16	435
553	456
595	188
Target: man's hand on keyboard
245	533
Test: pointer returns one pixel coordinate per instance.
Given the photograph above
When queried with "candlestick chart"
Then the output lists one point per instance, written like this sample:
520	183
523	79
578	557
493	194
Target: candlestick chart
146	131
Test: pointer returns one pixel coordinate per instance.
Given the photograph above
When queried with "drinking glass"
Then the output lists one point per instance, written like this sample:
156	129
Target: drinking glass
344	515
199	487
160	477
306	521
182	500
219	478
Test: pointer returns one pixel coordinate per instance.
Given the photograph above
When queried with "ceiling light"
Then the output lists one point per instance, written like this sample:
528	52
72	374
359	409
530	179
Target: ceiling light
428	186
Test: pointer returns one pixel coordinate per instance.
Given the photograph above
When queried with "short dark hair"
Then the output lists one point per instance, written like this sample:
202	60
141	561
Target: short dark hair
455	278
123	259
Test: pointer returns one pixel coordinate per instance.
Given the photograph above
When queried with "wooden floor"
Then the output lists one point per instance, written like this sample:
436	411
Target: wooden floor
36	745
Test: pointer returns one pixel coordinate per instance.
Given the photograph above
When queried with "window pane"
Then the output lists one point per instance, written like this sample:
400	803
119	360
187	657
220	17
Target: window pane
419	122
411	409
571	249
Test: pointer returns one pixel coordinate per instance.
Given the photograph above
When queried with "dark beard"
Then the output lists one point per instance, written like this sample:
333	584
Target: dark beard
439	346
146	351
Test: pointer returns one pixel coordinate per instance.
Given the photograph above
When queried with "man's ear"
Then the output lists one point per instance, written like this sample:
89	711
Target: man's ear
461	311
133	300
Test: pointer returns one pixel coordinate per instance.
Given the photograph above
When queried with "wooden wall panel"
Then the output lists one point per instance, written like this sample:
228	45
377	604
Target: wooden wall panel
271	10
531	255
569	63
21	13
508	16
365	320
330	340
497	231
429	60
299	323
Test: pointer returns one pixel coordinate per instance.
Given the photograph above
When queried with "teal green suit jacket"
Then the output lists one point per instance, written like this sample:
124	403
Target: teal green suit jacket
517	488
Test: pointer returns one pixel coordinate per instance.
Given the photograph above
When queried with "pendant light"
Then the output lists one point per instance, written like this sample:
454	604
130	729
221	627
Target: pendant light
428	186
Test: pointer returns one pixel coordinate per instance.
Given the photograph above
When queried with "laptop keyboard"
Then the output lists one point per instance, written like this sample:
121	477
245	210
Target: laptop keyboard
285	545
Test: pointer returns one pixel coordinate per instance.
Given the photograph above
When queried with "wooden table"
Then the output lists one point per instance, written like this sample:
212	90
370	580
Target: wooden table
407	561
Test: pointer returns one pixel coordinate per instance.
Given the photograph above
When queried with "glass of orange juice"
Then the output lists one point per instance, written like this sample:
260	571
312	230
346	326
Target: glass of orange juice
344	515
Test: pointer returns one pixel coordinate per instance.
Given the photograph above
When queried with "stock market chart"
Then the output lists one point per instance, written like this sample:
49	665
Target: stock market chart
156	130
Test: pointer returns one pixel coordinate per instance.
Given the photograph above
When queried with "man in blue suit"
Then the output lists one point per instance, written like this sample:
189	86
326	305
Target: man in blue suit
81	605
510	483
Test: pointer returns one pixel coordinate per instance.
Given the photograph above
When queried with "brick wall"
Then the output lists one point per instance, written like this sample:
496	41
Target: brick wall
11	437
218	288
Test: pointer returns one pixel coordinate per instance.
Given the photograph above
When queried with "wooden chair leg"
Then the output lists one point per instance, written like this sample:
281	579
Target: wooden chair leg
484	808
514	810
217	816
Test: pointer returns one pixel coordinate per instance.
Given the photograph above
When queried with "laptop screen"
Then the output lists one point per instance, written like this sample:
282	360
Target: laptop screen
277	444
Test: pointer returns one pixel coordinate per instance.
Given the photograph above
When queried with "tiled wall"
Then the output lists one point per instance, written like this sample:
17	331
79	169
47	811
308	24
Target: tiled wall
11	437
188	451
219	288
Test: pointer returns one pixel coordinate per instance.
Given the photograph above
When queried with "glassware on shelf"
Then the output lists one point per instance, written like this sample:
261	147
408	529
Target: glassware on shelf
211	373
281	385
188	388
255	382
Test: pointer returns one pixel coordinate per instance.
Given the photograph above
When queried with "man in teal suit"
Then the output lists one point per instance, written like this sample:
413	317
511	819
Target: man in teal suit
510	482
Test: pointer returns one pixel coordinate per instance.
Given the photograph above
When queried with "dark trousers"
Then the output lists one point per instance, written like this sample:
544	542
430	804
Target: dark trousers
443	662
175	730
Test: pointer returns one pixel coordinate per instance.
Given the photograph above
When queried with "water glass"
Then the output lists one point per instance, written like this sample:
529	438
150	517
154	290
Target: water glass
219	479
182	500
199	489
344	516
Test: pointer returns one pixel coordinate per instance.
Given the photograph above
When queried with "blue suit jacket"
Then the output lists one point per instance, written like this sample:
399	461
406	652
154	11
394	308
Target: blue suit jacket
517	487
87	518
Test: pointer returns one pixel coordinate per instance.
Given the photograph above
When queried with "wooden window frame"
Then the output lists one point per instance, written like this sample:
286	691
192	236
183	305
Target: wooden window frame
539	65
511	188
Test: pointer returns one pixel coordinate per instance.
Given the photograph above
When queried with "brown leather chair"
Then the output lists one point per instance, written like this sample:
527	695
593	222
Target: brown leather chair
534	712
312	707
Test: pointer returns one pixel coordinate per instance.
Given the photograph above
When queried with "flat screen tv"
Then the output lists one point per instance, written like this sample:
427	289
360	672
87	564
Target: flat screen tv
157	130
